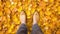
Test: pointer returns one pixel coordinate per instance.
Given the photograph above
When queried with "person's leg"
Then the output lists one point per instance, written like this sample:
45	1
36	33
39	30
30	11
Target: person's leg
35	27
22	29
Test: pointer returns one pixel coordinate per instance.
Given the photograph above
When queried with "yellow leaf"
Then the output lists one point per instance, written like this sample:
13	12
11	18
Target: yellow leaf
19	9
48	13
1	13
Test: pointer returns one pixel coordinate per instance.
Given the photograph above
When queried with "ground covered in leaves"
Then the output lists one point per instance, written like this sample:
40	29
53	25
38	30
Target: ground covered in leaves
49	11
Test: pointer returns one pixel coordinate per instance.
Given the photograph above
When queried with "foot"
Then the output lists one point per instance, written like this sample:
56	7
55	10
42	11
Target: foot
23	17
35	18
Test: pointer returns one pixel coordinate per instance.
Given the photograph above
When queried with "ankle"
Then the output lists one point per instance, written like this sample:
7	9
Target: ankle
34	23
23	23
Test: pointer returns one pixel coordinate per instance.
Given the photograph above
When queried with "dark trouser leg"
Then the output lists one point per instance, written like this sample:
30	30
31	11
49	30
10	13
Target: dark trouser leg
22	29
36	29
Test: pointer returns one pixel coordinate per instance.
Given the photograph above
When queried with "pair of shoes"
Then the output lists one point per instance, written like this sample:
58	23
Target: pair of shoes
23	17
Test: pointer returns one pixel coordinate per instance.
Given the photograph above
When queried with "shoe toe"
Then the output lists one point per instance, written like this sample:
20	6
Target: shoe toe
22	13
